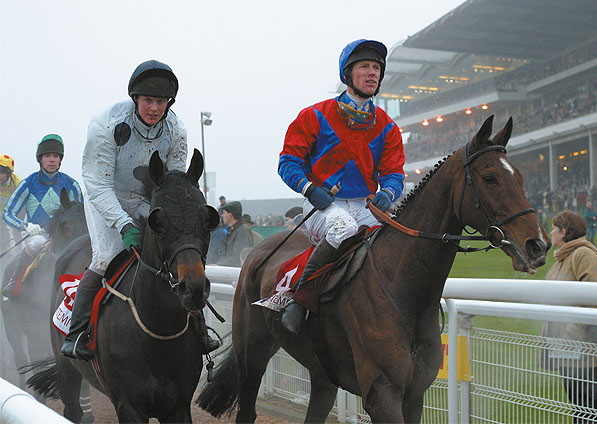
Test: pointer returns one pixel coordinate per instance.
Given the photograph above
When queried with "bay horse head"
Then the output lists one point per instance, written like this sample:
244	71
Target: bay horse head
178	228
490	198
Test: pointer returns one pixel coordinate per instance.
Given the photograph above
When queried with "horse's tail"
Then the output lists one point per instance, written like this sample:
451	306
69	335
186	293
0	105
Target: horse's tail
45	377
221	395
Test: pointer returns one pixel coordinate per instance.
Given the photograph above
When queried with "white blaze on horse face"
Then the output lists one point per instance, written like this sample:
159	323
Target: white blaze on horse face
507	165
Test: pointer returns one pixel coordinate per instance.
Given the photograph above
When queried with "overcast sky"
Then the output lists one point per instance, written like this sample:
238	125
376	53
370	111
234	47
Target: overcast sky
253	64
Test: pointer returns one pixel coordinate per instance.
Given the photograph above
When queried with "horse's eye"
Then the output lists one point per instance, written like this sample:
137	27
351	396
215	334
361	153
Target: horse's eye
490	179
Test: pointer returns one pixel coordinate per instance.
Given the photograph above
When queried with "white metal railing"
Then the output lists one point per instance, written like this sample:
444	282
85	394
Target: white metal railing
19	407
452	400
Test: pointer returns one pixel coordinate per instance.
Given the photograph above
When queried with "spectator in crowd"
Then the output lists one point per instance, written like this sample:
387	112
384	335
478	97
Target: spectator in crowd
368	160
255	236
591	218
8	183
290	215
238	237
222	200
217	242
576	260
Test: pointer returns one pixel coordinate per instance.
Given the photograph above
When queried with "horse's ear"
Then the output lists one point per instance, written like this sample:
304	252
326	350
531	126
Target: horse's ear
158	222
196	168
156	169
482	136
213	217
504	135
142	174
64	200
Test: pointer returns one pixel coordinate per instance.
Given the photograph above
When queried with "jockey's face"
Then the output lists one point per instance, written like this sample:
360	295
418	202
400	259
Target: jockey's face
365	78
50	162
151	109
4	177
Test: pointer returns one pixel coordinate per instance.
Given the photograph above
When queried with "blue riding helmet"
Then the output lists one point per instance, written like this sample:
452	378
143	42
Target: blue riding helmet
363	50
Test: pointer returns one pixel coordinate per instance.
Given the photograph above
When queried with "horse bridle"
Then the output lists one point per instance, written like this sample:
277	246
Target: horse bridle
484	206
164	271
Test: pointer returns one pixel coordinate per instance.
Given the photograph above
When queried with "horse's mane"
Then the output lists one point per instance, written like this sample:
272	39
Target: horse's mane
75	212
414	193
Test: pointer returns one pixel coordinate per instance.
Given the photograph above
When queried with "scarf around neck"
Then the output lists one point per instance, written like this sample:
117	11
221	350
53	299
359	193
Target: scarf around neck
569	247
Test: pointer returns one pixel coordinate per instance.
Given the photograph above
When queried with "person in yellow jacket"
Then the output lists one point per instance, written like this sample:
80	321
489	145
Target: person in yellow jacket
8	183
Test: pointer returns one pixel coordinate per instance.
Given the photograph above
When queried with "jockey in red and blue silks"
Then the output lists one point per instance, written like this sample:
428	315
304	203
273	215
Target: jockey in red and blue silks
345	142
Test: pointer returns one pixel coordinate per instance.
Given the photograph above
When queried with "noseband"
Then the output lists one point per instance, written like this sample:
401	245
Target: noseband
485	207
164	271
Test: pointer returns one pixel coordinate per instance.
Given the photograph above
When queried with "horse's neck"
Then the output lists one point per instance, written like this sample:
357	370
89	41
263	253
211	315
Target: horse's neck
421	265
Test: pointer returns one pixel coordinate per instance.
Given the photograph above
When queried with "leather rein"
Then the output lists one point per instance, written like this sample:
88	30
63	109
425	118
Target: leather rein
485	208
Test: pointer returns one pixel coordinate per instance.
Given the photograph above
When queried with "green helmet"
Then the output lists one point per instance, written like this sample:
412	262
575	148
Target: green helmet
51	143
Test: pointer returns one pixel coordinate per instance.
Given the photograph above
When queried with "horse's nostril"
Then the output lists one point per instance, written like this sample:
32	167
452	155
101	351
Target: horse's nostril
535	247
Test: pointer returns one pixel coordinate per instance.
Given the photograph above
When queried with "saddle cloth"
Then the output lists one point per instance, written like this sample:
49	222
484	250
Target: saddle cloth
323	285
62	317
69	284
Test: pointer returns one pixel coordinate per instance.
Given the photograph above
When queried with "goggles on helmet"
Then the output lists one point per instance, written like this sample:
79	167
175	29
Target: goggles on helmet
356	119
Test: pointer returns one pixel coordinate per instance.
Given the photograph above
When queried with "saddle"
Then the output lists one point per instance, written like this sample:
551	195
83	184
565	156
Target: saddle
19	276
114	273
346	262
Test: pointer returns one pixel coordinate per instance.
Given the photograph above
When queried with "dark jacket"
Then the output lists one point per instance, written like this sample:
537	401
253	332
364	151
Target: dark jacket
239	236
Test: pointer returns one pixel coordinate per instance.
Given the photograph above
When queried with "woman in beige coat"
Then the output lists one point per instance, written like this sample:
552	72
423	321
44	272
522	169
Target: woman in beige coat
576	260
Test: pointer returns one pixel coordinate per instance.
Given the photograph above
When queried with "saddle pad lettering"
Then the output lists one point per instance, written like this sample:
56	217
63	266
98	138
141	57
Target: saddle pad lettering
288	275
62	317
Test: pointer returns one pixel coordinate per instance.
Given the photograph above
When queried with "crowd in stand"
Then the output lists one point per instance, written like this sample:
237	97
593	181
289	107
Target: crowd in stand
432	142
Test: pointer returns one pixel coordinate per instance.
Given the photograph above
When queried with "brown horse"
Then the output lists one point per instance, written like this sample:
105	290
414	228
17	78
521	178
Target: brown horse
379	338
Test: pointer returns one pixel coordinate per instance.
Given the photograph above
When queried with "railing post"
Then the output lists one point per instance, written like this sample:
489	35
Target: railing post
351	402
452	361
341	405
466	323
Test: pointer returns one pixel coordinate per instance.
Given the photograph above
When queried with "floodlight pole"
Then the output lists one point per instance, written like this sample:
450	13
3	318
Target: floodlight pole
204	121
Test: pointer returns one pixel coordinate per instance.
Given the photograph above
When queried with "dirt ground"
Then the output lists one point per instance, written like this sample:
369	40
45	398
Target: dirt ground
103	411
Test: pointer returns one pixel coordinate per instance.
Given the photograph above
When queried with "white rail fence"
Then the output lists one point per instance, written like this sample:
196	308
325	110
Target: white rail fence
508	380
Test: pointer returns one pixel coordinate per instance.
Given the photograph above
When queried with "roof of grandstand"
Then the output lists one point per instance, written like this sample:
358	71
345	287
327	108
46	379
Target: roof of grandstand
483	38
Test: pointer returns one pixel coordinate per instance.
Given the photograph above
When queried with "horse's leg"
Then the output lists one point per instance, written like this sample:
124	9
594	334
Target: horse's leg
69	386
85	402
14	337
181	415
128	414
413	409
321	401
254	348
383	402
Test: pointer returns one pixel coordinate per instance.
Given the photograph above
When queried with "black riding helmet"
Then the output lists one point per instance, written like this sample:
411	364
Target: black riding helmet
51	143
155	79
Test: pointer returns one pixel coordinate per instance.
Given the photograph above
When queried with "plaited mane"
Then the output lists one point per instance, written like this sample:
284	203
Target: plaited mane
414	194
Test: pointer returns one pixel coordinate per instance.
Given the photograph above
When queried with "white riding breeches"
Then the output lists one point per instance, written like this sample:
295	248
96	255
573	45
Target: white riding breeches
106	242
338	221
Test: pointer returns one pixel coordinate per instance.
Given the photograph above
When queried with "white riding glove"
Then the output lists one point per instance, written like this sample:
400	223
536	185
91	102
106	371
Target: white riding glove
34	229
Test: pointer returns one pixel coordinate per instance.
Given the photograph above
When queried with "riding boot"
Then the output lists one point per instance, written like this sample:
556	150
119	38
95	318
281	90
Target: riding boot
75	344
294	314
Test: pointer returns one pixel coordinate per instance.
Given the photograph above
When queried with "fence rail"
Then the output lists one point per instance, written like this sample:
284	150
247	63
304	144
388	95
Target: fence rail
509	382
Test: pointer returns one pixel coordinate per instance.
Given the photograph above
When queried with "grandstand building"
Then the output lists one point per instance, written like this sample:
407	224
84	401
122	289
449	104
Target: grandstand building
534	60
